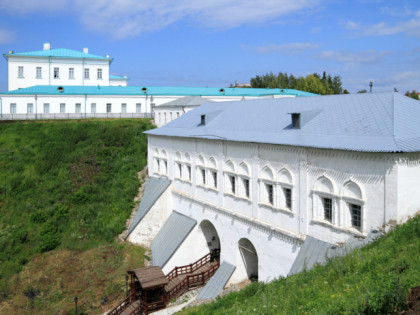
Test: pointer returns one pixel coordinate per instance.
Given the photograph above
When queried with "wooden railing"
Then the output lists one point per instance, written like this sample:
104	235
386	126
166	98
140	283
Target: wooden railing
192	281
123	305
177	271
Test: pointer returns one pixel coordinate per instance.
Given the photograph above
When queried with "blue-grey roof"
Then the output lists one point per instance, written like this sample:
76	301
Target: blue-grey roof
315	251
154	188
58	53
116	77
151	90
371	122
173	232
217	282
186	101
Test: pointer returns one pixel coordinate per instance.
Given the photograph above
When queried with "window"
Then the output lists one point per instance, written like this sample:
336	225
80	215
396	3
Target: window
12	108
270	193
38	72
93	108
245	183
108	107
46	108
327	205
71	73
177	114
178	170
20	72
170	116
287	193
62	108
123	108
99	74
138	108
30	108
356	216
56	73
189	172
232	182
165	117
214	178
87	73
203	176
78	108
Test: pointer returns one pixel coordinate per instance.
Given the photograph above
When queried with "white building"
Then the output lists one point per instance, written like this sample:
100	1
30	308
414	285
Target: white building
64	83
260	177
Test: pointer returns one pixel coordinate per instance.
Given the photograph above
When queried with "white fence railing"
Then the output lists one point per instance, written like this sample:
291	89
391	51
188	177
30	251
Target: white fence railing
74	116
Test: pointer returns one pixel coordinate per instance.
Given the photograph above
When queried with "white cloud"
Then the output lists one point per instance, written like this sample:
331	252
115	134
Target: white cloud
284	49
6	36
396	11
410	27
362	57
125	18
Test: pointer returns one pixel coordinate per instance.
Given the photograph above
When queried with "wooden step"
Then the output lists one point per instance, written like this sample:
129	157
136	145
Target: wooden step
132	307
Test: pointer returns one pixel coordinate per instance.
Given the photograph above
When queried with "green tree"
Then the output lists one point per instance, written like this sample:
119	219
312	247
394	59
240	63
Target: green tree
413	94
313	84
362	91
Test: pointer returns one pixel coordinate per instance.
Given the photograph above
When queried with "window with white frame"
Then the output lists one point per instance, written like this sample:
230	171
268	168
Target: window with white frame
93	108
324	201
232	184
62	108
188	168
99	73
29	108
38	72
287	197
46	108
78	108
138	108
285	187
12	108
201	171
87	74
20	72
213	178
244	181
353	203
267	185
56	73
230	178
71	73
123	108
203	176
108	107
160	162
212	171
178	170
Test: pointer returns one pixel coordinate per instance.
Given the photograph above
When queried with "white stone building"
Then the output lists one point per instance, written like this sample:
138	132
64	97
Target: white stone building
259	177
64	83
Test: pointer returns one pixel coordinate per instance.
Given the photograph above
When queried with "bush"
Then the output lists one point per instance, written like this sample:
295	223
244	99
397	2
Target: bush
50	237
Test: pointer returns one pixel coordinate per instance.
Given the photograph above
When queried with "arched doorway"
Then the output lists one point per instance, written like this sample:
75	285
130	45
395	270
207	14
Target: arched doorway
249	258
210	234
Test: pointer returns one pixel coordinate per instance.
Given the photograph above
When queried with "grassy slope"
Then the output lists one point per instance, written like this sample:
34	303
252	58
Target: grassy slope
372	280
65	185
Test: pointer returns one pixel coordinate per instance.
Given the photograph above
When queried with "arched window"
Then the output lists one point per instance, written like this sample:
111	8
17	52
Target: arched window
178	165
353	205
201	171
212	170
230	178
325	201
244	181
285	188
187	163
164	162
267	187
156	161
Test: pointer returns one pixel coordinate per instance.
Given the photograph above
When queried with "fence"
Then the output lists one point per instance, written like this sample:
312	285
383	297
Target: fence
74	116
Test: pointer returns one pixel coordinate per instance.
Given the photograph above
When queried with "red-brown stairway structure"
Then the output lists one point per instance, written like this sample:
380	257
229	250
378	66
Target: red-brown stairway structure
151	290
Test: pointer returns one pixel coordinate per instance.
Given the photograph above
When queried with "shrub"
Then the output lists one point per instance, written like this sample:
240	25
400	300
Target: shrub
50	237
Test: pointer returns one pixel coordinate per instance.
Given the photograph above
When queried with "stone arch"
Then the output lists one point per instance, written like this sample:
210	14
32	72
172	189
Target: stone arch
249	257
230	167
352	190
267	173
324	184
244	169
210	234
285	176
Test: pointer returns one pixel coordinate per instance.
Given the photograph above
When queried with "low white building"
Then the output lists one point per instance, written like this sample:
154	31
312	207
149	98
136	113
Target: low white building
65	83
259	177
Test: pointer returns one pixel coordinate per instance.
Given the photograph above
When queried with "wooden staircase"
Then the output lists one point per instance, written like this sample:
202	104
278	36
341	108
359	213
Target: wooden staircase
181	279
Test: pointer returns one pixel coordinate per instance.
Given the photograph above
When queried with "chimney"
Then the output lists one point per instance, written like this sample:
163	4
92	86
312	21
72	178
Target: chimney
203	120
107	56
47	46
86	50
295	120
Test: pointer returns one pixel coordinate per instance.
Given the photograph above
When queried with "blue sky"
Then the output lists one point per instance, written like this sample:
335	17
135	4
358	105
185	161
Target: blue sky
213	43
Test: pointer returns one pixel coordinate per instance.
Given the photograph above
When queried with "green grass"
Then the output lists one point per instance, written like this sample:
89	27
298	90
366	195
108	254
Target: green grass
372	280
65	184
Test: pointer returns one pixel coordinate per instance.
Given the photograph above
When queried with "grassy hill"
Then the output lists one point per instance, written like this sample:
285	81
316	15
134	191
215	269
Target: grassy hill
66	190
373	280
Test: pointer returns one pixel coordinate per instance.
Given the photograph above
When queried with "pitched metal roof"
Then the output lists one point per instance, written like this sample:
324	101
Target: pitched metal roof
186	101
173	232
116	77
371	122
151	90
154	188
58	53
315	251
217	282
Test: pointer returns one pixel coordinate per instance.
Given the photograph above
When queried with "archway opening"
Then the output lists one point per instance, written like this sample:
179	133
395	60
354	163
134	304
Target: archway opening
249	257
211	236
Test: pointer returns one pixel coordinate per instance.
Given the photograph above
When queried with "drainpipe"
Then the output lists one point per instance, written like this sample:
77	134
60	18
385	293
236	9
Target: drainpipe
85	104
83	72
1	108
49	71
